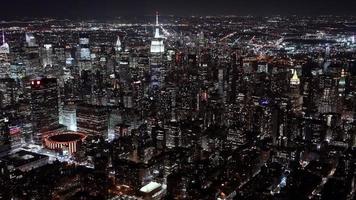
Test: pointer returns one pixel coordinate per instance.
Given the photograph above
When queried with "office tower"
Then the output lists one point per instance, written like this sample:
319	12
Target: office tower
156	74
44	106
159	137
47	55
4	48
328	97
342	83
84	49
235	137
68	117
30	40
173	135
221	78
5	143
122	130
92	119
296	97
83	54
8	92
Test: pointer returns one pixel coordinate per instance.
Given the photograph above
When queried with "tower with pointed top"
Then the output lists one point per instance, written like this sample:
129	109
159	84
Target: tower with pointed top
295	97
295	81
157	46
4	48
118	47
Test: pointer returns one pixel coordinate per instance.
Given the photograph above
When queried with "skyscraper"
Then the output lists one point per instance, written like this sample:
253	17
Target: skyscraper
44	106
8	92
84	47
47	55
4	134
156	68
92	119
4	48
157	46
30	40
118	47
296	98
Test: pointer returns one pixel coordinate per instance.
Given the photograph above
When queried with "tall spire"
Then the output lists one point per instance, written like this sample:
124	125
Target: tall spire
5	49
295	79
157	45
157	35
157	24
118	44
3	36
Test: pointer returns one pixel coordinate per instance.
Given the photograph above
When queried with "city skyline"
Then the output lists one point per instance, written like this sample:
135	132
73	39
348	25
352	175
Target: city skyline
154	106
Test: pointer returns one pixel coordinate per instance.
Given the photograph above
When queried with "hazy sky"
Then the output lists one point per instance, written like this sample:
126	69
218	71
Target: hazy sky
112	8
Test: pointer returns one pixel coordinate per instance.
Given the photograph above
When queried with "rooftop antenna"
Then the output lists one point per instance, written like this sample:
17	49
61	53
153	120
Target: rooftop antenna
157	24
3	36
157	35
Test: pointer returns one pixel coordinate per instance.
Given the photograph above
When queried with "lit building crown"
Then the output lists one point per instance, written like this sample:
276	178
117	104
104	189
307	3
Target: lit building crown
118	44
342	80
4	48
295	79
157	45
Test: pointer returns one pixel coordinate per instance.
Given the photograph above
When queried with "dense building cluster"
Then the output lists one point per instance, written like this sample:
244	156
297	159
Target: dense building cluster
186	108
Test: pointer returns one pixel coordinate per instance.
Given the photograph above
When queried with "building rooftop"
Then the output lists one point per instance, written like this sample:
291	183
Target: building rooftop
150	187
21	158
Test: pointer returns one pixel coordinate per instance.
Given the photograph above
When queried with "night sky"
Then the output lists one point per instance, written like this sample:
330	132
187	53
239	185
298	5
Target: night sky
112	8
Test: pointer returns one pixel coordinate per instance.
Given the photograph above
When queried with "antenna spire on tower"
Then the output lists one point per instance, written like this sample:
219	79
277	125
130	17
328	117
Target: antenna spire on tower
157	19
3	36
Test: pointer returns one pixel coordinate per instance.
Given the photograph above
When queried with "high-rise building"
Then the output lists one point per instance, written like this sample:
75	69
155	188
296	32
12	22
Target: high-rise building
4	48
92	119
68	117
328	99
44	106
5	143
157	46
47	55
156	74
8	92
296	97
30	40
118	47
84	47
342	83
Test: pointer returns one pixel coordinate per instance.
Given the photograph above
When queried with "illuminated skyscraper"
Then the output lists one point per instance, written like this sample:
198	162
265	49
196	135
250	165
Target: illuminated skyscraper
8	92
295	79
4	48
157	46
47	54
44	106
156	73
84	54
84	48
296	98
5	143
30	40
156	68
118	47
68	117
342	83
328	97
92	119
